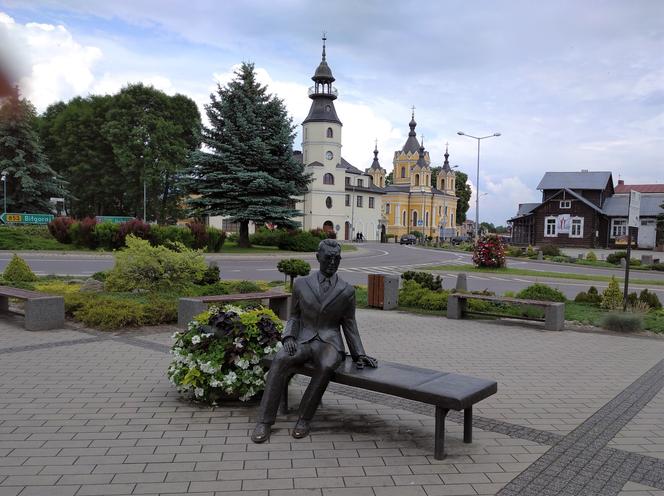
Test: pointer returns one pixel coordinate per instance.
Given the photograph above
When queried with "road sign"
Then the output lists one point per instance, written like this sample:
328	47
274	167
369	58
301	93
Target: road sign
634	209
420	223
115	219
8	218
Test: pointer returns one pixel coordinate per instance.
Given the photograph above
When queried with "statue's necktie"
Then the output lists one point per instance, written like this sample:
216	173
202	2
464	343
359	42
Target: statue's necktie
325	286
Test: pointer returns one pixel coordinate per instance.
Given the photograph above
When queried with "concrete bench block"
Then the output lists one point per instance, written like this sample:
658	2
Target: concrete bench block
554	317
188	308
44	313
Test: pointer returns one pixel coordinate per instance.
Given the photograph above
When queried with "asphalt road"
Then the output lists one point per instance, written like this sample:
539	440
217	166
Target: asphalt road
371	258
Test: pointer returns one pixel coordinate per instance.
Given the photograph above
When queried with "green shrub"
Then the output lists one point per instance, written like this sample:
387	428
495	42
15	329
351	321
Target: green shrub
489	252
632	299
550	250
246	287
650	299
509	294
59	229
424	279
211	274
560	259
634	262
293	267
84	236
615	258
232	237
654	321
658	266
134	227
107	235
434	300
299	241
417	234
154	268
591	297
100	276
268	237
17	270
622	322
166	235
199	234
612	298
216	238
541	292
591	257
411	293
514	251
530	251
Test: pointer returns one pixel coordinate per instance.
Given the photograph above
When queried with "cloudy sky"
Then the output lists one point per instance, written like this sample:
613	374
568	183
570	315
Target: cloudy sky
570	85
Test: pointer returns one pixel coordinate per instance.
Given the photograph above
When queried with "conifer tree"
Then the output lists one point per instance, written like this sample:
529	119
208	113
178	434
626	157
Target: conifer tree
249	174
31	183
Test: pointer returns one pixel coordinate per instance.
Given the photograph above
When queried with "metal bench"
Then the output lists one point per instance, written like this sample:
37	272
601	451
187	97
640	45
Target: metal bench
42	311
554	312
188	308
446	391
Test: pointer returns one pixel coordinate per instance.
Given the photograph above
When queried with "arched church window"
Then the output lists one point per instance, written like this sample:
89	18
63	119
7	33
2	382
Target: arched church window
330	133
414	217
328	202
328	179
403	172
382	183
329	155
417	179
426	217
442	183
403	218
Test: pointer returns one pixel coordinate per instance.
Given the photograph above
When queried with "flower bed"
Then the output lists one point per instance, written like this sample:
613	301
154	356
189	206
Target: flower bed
218	357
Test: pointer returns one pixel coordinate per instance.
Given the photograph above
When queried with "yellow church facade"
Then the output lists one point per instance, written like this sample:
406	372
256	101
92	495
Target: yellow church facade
412	202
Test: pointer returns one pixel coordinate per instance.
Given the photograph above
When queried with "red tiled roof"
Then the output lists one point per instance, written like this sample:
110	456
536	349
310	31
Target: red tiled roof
642	188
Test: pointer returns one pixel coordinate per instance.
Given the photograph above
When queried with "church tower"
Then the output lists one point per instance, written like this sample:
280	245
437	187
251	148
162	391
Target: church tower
447	177
323	205
406	158
376	172
420	173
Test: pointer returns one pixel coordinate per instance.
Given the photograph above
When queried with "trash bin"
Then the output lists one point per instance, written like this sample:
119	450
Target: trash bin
383	291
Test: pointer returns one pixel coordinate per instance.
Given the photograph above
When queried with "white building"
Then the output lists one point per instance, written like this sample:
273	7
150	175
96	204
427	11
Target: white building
341	198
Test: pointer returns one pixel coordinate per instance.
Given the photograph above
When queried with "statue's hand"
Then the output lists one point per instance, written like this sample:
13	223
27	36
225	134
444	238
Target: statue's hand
363	360
290	345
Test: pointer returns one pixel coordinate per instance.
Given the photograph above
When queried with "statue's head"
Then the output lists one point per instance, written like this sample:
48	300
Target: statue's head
328	256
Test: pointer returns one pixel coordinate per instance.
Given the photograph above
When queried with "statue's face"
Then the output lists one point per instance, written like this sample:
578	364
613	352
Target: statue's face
329	260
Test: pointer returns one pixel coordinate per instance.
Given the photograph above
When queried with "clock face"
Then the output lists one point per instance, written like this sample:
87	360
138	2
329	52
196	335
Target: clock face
328	108
329	155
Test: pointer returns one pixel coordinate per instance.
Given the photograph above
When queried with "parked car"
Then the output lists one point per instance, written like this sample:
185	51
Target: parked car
408	239
457	240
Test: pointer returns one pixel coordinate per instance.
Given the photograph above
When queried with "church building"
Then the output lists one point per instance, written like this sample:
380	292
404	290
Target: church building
341	198
413	202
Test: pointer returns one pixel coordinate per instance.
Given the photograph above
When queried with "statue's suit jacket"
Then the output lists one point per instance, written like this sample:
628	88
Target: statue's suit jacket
324	316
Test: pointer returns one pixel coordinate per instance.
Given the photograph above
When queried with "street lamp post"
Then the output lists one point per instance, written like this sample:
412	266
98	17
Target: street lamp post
477	186
445	216
4	189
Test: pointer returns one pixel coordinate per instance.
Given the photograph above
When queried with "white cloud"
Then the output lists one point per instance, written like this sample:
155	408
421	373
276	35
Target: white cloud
112	83
55	66
500	198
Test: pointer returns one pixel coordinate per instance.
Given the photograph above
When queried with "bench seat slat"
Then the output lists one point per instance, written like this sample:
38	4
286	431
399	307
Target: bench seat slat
508	299
23	294
243	296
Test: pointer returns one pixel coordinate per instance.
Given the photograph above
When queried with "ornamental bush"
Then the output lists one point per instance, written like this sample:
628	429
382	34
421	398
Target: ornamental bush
154	268
293	267
591	297
615	258
218	356
108	236
612	298
134	227
299	241
424	279
591	257
59	229
199	234
268	237
85	236
489	252
18	270
541	292
650	299
216	239
550	250
164	235
622	322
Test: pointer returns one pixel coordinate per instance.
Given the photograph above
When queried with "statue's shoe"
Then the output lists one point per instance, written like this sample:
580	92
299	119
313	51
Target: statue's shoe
302	428
261	433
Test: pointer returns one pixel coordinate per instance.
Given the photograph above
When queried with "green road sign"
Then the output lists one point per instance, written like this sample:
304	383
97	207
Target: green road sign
115	219
8	218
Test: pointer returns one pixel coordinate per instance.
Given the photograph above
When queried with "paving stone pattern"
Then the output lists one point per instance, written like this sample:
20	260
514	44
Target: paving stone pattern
85	413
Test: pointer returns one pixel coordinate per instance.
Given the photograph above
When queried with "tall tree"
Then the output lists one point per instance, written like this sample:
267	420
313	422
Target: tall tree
152	136
31	183
250	173
77	148
463	192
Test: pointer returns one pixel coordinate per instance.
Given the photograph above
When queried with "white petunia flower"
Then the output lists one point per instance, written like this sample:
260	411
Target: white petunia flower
242	363
198	392
196	339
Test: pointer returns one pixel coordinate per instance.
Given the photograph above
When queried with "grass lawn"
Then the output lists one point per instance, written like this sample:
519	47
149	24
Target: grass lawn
30	238
537	273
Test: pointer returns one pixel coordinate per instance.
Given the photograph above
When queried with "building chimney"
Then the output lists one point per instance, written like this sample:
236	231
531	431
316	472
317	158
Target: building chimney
621	182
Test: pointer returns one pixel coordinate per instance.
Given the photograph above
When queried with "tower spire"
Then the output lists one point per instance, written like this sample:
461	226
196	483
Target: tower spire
324	40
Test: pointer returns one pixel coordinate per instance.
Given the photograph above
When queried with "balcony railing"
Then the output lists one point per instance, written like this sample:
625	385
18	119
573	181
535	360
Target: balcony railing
333	91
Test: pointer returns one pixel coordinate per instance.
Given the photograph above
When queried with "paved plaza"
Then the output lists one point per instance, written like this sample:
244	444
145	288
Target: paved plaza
90	413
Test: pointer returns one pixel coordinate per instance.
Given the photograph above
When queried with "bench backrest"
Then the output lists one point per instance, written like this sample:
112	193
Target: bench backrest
243	296
507	299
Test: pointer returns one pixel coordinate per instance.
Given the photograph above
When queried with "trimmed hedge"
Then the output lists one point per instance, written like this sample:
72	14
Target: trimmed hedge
541	292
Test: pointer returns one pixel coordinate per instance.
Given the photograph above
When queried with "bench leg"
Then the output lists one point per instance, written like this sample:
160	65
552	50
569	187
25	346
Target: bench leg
4	304
468	425
42	314
188	308
455	307
439	441
283	403
280	307
554	318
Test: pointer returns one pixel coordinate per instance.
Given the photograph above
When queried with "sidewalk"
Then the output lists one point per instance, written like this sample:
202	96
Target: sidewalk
85	413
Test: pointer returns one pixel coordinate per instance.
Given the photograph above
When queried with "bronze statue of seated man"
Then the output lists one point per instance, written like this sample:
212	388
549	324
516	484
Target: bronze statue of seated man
322	307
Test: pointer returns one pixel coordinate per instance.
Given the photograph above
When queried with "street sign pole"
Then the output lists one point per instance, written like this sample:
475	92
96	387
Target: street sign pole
633	211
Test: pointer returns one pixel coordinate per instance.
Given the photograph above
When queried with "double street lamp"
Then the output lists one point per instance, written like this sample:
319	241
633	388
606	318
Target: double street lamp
477	186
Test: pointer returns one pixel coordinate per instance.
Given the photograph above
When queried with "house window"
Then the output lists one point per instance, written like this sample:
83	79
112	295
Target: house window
403	218
550	227
329	155
387	208
360	183
403	172
347	199
618	227
330	133
371	202
328	202
426	218
576	229
328	179
565	203
348	181
359	200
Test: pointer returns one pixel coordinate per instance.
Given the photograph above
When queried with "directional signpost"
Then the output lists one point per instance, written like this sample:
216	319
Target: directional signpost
634	210
8	218
115	219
